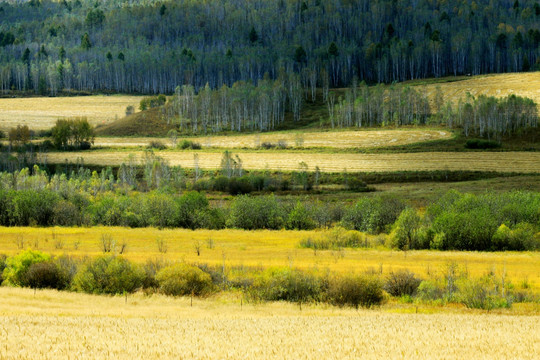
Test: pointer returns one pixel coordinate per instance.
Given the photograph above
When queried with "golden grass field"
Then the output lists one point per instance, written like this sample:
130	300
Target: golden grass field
41	113
522	162
266	248
60	325
499	85
334	139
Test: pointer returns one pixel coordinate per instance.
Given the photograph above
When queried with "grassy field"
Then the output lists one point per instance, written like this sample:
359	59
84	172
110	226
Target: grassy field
41	113
60	325
498	85
266	249
521	162
337	139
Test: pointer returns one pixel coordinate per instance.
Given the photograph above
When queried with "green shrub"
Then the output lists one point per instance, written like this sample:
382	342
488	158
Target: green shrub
186	144
405	233
17	266
373	215
108	275
261	212
355	291
43	275
429	290
482	144
240	186
402	283
482	293
3	258
157	145
182	279
288	285
300	218
66	214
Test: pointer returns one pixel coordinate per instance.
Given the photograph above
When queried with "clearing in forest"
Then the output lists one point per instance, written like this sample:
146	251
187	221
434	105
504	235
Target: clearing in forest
498	85
41	113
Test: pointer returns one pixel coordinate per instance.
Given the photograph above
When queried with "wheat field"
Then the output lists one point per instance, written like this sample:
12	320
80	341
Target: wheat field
60	325
267	248
520	162
41	113
334	139
498	85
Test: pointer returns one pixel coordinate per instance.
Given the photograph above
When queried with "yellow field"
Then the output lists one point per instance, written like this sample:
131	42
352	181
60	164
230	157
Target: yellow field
267	248
499	85
335	139
50	324
523	162
42	112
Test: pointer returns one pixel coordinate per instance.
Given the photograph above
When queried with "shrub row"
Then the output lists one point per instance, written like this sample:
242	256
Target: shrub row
116	275
487	222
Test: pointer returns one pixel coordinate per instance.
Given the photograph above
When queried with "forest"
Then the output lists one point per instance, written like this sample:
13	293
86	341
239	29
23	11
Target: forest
145	46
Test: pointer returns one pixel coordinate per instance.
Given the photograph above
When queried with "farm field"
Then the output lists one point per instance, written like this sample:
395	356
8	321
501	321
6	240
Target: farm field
331	139
498	85
41	113
521	162
80	326
266	248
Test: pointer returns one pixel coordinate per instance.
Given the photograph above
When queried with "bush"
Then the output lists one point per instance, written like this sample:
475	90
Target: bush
300	218
108	275
355	291
482	144
66	214
3	258
186	144
287	285
429	290
182	279
373	215
240	186
482	294
43	275
402	283
17	266
262	212
405	234
155	144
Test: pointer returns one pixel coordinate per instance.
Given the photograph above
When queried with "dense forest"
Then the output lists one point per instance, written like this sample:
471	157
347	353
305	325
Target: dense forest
150	46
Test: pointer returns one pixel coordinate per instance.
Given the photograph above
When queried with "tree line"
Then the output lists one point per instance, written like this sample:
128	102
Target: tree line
50	46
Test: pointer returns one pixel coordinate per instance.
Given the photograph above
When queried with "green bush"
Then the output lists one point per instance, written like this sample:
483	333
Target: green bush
482	144
186	144
108	275
288	285
406	228
300	218
3	258
240	186
429	290
335	238
43	275
482	293
182	279
262	212
373	215
17	266
402	283
366	291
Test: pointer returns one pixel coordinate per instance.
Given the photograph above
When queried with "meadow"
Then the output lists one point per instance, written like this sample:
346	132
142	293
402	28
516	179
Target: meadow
519	162
306	139
41	113
47	323
498	85
266	248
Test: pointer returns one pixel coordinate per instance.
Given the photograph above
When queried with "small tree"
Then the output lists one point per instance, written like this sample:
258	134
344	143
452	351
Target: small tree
173	135
19	135
406	229
85	42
